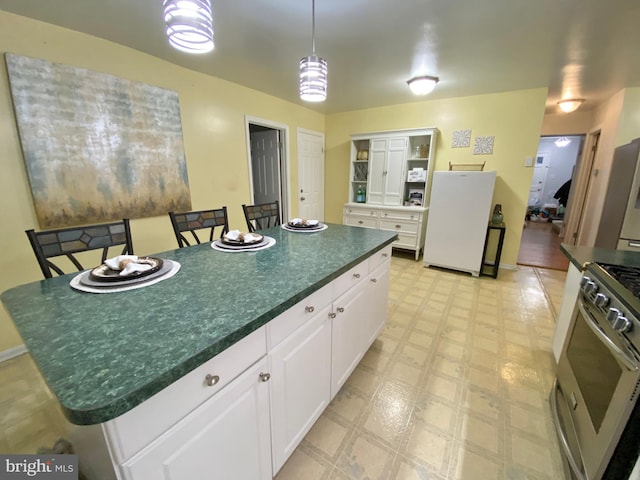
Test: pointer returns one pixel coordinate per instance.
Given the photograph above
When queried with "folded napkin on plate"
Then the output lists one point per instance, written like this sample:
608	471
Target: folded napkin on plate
127	264
302	221
238	236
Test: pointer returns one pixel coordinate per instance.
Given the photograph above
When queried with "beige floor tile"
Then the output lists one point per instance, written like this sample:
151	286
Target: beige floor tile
483	378
533	455
412	469
405	373
414	355
447	366
302	464
442	387
389	413
449	349
430	447
376	360
349	404
363	380
435	414
480	433
482	403
386	344
528	420
364	458
327	436
468	465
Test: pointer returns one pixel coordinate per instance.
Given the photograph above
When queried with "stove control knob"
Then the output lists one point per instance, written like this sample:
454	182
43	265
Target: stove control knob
601	300
621	324
613	314
590	288
584	280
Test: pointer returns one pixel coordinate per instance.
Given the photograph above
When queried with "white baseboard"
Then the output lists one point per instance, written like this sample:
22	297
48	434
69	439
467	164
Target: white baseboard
12	353
507	266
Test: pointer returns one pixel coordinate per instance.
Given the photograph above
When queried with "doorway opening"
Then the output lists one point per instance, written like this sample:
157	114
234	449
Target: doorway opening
268	152
544	223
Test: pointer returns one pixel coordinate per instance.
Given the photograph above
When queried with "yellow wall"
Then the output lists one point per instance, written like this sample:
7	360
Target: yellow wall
575	123
213	122
514	118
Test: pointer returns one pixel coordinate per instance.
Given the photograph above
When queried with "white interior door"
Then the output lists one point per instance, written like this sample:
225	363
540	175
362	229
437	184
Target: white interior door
540	170
310	174
265	166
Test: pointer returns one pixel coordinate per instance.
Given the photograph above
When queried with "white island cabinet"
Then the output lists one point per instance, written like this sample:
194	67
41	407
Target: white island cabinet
242	414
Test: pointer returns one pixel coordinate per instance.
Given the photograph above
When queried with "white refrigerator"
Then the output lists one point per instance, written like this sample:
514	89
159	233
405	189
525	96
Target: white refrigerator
459	211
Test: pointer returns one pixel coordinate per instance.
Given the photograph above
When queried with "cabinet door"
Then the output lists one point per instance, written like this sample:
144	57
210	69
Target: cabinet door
227	437
395	168
377	297
300	369
347	336
377	169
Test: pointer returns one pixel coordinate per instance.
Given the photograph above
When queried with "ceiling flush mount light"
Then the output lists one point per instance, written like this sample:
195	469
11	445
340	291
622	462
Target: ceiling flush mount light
562	142
570	104
422	85
189	25
313	69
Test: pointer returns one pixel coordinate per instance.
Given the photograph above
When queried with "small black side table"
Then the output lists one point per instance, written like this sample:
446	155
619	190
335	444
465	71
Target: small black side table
491	269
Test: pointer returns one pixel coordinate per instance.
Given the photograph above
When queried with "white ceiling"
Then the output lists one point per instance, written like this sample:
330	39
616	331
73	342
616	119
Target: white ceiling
576	48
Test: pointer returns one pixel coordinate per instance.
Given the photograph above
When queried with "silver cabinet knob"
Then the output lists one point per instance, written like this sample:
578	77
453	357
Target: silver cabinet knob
398	226
264	377
360	222
385	255
211	380
374	280
340	309
332	315
309	309
356	275
302	199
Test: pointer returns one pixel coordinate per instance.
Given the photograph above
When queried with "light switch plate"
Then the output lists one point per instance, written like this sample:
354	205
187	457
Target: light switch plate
528	162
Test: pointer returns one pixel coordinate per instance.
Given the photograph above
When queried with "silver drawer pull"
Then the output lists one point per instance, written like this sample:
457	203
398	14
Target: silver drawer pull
340	309
211	380
309	309
264	377
374	280
356	275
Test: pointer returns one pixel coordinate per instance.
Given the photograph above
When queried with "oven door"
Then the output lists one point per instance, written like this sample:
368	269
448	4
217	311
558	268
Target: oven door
594	392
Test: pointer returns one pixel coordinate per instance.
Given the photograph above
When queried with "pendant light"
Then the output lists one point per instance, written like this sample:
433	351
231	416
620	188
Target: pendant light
562	142
313	69
189	25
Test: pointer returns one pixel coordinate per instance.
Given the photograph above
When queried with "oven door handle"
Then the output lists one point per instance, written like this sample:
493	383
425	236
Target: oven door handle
577	471
628	361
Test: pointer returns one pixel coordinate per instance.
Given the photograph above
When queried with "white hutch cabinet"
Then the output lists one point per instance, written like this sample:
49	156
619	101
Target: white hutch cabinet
389	183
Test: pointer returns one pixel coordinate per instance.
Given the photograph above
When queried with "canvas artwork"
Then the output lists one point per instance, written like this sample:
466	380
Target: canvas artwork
97	147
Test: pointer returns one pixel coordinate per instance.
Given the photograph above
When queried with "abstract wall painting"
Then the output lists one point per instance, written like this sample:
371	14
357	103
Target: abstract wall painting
97	147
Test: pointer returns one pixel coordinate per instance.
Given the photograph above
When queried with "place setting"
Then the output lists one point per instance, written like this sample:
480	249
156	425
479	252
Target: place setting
303	225
124	272
237	241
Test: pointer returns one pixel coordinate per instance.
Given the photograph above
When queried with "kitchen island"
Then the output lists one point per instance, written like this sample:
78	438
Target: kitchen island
126	360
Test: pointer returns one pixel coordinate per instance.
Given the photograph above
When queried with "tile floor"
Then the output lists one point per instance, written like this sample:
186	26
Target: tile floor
454	388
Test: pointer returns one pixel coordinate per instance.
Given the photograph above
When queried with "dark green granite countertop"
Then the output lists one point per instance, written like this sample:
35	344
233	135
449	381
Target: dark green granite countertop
103	354
579	255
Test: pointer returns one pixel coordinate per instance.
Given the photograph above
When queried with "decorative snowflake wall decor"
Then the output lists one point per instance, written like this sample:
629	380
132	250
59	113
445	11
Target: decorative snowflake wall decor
483	145
461	138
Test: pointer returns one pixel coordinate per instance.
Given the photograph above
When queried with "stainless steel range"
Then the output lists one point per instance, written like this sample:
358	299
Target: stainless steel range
594	399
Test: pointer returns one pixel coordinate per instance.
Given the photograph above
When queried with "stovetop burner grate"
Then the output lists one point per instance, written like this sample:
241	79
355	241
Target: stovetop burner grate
628	277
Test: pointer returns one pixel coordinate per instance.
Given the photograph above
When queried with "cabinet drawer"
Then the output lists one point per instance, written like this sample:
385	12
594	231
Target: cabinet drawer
136	428
348	279
361	212
409	216
357	221
399	226
379	258
288	322
406	240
